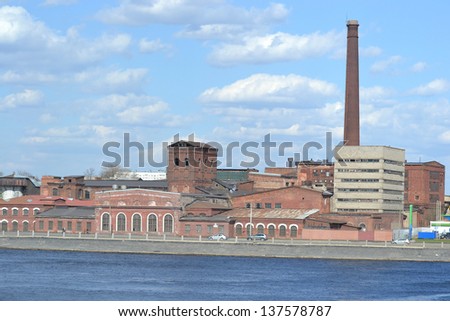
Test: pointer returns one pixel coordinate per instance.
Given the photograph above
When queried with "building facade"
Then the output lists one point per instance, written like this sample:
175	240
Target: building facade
369	179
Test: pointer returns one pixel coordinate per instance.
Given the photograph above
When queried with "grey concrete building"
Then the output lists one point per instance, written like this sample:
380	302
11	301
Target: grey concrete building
369	179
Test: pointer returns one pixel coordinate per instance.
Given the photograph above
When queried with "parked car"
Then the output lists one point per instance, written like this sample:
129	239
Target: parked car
258	236
400	241
445	235
217	237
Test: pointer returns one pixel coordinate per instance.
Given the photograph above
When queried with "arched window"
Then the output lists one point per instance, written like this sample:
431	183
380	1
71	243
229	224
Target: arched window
249	228
282	231
25	211
271	231
177	162
121	222
25	226
294	230
15	226
260	229
5	226
137	222
239	230
35	211
168	224
186	162
4	211
55	192
15	211
106	222
152	223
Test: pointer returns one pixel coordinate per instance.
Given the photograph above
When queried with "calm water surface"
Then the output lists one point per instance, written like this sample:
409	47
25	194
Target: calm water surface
47	275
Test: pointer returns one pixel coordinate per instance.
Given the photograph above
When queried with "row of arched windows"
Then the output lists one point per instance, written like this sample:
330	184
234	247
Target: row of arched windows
271	229
121	224
15	211
14	226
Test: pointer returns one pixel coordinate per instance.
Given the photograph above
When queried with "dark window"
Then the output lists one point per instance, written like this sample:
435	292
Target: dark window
186	162
121	222
106	222
26	211
55	192
15	211
293	231
238	230
60	225
5	211
88	227
282	231
41	225
272	231
268	205
177	162
277	205
187	229
36	211
136	223
260	229
5	226
168	224
69	226
258	205
25	226
15	226
78	226
50	225
87	195
152	223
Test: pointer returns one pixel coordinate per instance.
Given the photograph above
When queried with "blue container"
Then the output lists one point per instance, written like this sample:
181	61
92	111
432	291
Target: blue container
427	235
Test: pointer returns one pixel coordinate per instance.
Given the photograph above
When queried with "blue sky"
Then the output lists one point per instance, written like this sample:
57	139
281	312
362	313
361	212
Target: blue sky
76	74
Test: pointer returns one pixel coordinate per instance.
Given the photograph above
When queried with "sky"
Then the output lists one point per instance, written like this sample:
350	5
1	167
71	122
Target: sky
82	83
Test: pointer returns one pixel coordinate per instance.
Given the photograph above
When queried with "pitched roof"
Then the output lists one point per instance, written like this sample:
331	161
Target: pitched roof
69	212
285	213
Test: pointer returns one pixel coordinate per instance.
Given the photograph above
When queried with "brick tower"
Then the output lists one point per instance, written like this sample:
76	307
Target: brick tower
351	121
191	164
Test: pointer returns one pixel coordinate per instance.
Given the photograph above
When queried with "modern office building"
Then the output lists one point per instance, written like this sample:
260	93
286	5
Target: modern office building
369	179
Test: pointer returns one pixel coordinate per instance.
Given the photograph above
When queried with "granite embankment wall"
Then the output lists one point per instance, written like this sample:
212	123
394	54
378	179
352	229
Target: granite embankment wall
409	252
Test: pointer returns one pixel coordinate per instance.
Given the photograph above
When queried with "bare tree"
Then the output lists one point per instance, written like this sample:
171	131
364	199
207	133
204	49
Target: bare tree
28	174
89	173
113	172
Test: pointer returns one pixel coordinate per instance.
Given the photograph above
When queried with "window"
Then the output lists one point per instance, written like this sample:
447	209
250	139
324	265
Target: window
260	229
5	226
50	225
41	225
106	221
55	192
168	224
15	212
88	227
15	226
210	229
238	230
152	223
258	205
187	229
221	229
60	225
271	231
26	211
78	226
136	223
87	195
247	205
35	211
268	205
177	162
121	220
282	231
198	229
69	226
25	226
186	162
277	205
5	211
293	231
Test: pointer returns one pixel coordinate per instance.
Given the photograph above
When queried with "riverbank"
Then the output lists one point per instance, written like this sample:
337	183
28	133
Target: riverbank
381	251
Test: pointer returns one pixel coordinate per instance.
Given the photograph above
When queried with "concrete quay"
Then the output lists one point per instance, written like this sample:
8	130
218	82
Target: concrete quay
330	250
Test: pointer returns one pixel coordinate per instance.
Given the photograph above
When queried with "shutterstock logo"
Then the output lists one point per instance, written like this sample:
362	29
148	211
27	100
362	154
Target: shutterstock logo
251	153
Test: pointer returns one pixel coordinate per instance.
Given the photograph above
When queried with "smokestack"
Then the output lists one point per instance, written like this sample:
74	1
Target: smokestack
351	122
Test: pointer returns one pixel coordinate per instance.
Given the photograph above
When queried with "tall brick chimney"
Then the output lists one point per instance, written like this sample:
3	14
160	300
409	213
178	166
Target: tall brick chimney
351	122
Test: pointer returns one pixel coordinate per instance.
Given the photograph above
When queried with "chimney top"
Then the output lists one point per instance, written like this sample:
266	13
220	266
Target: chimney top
352	23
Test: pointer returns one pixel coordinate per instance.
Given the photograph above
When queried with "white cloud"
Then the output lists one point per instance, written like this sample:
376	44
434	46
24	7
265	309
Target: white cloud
375	93
30	46
59	2
419	66
279	46
150	46
118	81
142	114
385	65
265	88
28	97
434	87
189	12
371	51
445	137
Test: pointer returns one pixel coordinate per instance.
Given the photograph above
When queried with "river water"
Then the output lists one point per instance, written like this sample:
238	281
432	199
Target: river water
72	276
